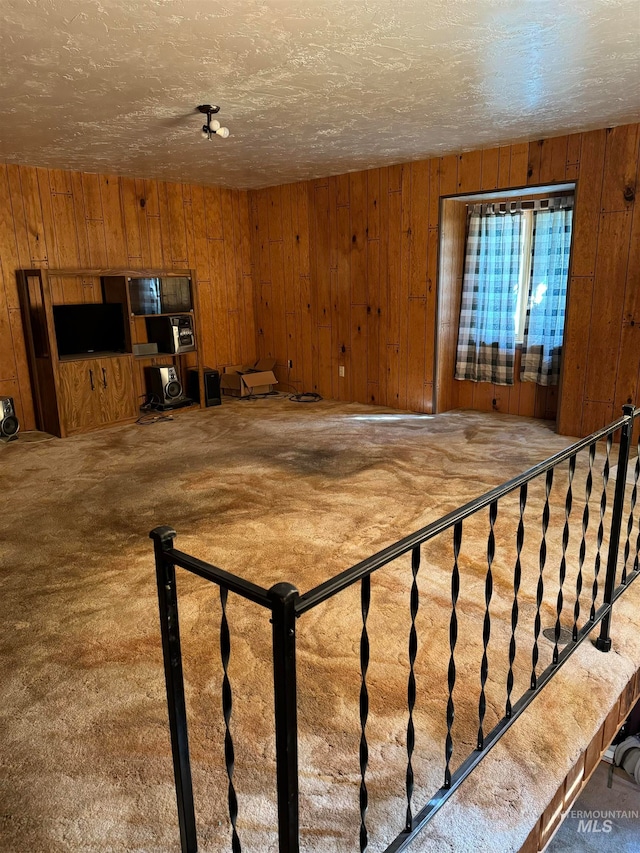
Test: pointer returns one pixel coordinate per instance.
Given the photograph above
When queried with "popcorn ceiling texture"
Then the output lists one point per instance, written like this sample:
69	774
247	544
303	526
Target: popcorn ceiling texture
277	491
307	89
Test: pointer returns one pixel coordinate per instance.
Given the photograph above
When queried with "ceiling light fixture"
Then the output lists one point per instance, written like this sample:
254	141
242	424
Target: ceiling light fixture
212	127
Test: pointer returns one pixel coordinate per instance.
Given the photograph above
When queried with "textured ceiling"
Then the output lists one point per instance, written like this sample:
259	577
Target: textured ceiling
307	88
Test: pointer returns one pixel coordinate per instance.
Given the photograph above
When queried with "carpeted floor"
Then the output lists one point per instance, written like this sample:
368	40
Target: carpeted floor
276	491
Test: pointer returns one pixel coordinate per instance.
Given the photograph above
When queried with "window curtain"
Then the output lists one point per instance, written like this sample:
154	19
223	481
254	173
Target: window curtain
544	323
486	336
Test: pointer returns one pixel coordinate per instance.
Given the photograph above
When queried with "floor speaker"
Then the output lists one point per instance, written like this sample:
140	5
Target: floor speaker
211	377
9	425
164	388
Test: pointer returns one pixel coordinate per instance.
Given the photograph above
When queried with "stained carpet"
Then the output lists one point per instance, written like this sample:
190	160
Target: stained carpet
276	491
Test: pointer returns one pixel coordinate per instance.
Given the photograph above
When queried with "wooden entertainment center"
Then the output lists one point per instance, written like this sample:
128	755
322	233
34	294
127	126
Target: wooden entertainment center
78	387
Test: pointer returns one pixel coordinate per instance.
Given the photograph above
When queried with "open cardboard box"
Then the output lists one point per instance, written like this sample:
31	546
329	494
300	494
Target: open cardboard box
242	380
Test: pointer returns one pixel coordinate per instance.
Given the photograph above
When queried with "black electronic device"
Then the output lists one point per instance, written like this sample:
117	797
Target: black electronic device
172	334
211	377
9	425
165	389
89	327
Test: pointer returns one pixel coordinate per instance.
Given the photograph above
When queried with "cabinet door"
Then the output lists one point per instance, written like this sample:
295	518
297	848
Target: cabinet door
117	401
78	394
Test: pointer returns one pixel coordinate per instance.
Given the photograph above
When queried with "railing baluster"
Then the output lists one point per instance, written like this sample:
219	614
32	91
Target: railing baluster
563	562
227	708
540	587
486	626
365	599
169	627
411	686
634	498
517	577
583	541
603	508
453	638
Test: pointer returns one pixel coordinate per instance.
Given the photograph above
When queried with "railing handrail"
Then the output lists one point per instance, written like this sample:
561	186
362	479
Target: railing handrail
336	584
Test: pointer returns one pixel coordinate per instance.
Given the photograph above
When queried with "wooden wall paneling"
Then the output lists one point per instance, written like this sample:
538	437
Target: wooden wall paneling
358	230
359	351
24	397
274	213
416	345
395	176
419	235
448	175
324	361
213	214
154	228
469	171
504	166
489	174
535	162
115	239
620	167
595	414
201	247
373	313
608	303
218	279
44	190
394	261
373	206
8	370
434	192
519	164
405	273
205	314
575	353
19	216
320	230
141	210
94	222
34	218
65	233
342	189
177	225
278	307
587	205
291	283
572	165
82	241
392	375
165	224
553	160
342	281
9	260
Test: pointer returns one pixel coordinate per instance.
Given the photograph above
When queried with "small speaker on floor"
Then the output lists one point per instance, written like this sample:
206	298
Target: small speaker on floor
9	425
212	396
165	389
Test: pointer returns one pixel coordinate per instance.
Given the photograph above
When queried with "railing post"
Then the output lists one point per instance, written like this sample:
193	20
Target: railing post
603	643
169	628
283	598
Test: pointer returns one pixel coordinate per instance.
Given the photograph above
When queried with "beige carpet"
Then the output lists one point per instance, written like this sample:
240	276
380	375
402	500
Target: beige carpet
277	491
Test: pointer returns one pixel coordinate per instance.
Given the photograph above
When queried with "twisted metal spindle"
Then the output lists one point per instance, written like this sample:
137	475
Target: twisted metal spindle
517	577
540	587
227	707
583	541
603	507
365	599
563	562
411	686
634	498
486	626
453	638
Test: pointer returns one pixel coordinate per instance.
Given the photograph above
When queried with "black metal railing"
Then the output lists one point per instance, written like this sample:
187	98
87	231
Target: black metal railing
286	606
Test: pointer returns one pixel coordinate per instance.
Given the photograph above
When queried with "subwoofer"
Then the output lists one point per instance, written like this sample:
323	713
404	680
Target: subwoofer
164	387
211	378
9	425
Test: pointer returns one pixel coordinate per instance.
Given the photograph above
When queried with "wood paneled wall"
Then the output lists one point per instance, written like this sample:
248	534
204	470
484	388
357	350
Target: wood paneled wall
346	273
55	219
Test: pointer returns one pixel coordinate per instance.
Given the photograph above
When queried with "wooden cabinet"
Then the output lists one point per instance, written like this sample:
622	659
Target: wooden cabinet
77	390
95	392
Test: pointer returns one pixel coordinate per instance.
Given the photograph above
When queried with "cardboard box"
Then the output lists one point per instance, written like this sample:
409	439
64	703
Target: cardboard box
244	380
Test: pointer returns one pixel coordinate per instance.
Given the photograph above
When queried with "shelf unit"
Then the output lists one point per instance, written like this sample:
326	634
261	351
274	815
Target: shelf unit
87	391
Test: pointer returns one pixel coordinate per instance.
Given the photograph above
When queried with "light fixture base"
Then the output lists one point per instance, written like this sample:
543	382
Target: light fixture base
207	108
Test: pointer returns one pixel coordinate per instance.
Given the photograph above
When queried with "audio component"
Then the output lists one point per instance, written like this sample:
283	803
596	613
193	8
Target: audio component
172	334
211	386
9	425
165	389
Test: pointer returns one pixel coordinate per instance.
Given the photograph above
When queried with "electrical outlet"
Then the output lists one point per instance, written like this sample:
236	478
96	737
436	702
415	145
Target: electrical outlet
289	364
341	370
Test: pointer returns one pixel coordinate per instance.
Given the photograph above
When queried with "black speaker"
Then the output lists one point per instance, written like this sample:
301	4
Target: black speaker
9	425
212	396
164	387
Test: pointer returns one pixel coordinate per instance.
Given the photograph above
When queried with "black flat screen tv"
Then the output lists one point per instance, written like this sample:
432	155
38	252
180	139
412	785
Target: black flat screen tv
89	327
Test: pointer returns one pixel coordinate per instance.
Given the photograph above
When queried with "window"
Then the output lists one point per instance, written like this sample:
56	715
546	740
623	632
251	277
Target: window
514	291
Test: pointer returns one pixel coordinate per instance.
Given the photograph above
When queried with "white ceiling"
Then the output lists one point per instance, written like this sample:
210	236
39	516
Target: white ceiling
307	88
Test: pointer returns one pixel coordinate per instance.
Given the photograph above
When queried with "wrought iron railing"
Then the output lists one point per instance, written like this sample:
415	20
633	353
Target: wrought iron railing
286	606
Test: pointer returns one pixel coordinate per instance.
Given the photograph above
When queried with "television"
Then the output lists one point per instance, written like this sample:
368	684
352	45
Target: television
89	327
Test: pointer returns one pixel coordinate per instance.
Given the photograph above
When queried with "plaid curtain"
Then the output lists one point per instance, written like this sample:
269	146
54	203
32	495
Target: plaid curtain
544	324
486	336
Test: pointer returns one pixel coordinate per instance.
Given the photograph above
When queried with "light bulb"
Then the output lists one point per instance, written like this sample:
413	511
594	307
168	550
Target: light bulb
204	133
214	124
223	132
